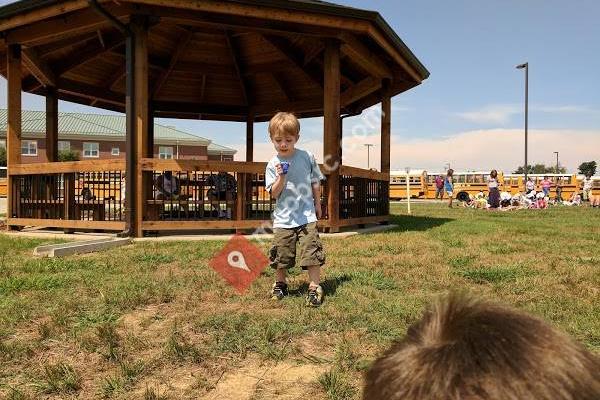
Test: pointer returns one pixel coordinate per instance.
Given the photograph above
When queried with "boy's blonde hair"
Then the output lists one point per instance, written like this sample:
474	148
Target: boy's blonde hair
466	348
283	124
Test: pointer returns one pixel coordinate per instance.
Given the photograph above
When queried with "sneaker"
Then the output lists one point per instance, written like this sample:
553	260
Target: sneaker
314	298
279	291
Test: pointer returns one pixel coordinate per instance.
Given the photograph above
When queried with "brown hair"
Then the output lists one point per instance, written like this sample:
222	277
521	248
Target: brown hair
465	348
284	123
494	173
450	172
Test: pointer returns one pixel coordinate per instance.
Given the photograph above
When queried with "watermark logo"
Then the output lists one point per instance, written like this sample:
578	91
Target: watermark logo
240	262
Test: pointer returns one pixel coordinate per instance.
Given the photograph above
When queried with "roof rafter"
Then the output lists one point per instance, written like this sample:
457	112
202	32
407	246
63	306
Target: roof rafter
284	46
93	50
39	68
360	54
182	42
239	66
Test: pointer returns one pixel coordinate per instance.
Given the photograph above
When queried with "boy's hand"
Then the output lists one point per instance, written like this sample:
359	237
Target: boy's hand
279	169
318	209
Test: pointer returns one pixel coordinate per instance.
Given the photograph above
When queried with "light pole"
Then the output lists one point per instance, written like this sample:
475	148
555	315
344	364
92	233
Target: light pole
526	67
369	145
556	152
408	188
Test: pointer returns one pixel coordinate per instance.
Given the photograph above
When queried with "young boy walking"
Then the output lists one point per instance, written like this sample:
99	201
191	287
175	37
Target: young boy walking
293	178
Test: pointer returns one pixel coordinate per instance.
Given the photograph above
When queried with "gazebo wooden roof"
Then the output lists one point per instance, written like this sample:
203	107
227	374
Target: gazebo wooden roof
210	59
237	60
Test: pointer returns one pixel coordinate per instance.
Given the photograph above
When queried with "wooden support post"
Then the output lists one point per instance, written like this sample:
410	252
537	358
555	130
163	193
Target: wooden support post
331	128
249	158
143	182
240	200
13	132
250	137
386	132
51	124
386	119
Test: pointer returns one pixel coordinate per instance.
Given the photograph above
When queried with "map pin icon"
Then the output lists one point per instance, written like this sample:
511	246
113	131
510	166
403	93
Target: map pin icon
236	260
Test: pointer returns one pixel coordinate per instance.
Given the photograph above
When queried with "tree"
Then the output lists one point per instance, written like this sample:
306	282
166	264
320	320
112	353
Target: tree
541	169
68	155
2	156
588	167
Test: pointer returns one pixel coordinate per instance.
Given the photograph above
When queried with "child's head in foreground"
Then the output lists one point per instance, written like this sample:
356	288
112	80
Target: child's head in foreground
465	348
284	130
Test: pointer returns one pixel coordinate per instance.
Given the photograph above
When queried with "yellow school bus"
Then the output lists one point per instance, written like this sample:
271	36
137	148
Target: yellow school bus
515	183
471	182
417	184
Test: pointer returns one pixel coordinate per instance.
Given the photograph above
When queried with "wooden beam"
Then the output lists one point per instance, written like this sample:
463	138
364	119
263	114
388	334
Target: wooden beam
360	90
51	124
90	92
203	88
68	166
61	44
331	128
283	88
202	19
115	76
182	43
284	47
199	108
250	137
386	120
360	54
141	115
239	67
65	223
91	51
38	68
79	22
38	14
13	131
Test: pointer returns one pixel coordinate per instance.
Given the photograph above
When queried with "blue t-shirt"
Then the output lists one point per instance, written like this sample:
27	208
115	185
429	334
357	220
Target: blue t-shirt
448	185
295	205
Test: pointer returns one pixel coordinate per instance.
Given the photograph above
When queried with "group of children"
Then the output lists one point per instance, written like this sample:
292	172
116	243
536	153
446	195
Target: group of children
529	200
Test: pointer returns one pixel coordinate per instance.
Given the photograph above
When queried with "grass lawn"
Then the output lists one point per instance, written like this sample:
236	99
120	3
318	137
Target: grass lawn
153	321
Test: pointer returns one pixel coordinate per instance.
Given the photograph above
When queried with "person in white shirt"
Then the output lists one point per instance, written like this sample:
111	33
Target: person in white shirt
587	187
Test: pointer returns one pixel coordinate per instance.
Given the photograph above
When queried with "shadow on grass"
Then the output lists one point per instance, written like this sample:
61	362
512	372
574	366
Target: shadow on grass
329	286
416	223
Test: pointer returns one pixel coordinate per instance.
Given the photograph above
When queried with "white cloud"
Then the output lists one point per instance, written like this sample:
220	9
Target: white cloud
502	113
495	114
473	150
563	109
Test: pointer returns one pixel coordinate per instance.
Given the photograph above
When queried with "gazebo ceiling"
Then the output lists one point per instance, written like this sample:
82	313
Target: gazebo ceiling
210	60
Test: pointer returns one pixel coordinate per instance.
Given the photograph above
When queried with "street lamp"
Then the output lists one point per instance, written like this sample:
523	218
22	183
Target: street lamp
408	188
369	145
556	152
526	67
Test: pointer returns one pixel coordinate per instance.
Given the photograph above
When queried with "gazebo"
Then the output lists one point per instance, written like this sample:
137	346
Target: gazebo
239	60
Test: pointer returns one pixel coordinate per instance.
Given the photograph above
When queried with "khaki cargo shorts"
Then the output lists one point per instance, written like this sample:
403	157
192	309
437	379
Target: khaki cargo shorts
306	238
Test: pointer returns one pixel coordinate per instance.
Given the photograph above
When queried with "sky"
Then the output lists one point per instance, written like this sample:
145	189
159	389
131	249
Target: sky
470	112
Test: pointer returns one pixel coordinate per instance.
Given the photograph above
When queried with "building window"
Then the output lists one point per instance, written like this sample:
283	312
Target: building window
165	152
64	145
115	151
29	148
91	149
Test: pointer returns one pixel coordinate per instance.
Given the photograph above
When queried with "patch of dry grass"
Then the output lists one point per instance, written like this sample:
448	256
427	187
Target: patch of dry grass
153	321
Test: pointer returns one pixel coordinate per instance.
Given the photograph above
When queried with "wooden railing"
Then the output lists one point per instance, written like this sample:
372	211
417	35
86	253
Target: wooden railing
205	195
77	195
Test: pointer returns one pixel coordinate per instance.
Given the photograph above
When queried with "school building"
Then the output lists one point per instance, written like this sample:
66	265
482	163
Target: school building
102	137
